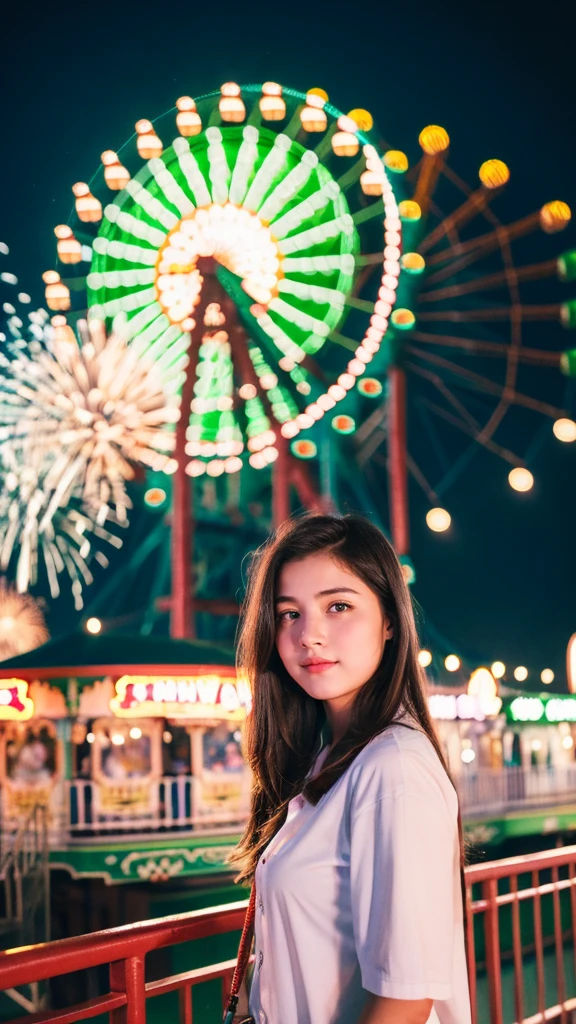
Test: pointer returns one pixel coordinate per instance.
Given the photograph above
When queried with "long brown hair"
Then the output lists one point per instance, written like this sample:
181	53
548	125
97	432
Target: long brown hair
283	730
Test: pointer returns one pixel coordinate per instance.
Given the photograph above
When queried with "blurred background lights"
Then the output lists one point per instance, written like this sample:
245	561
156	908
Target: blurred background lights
565	430
434	139
494	173
155	496
135	732
93	625
90	737
438	520
452	663
498	669
425	658
167	736
117	739
521	673
567	742
468	755
521	479
547	676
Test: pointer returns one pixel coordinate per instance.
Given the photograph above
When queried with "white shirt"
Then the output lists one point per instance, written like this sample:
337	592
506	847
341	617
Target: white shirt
362	893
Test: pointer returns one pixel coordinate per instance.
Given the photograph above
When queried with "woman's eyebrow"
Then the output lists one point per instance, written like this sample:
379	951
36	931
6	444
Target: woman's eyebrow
321	593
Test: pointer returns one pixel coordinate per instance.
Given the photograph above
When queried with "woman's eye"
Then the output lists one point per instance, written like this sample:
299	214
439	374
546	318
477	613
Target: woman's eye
340	605
286	616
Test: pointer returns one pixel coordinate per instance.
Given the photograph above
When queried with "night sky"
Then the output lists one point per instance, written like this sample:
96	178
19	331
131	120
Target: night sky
76	78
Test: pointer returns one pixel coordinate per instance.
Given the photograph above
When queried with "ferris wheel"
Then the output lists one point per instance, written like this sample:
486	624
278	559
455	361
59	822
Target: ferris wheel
283	270
231	258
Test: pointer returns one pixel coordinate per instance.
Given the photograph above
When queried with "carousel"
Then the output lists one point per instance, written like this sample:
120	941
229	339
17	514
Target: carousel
134	746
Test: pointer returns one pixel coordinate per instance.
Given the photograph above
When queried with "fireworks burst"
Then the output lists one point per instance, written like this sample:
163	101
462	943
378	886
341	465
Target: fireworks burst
22	625
94	409
30	524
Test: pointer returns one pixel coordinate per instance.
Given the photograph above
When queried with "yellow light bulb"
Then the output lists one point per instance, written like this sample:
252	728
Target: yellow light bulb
521	479
438	520
565	430
425	658
452	663
434	139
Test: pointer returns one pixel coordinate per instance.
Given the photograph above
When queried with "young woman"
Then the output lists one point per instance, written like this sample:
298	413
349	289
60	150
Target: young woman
354	838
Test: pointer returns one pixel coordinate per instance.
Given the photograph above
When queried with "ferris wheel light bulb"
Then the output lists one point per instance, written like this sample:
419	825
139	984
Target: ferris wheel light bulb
452	663
438	520
565	430
521	479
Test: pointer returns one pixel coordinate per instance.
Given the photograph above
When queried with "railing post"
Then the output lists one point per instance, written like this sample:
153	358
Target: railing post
128	976
492	936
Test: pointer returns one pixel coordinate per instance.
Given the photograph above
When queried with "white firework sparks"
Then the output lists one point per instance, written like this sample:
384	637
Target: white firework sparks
94	408
22	625
68	538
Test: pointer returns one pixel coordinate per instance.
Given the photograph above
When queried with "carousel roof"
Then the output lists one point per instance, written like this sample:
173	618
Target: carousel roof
81	654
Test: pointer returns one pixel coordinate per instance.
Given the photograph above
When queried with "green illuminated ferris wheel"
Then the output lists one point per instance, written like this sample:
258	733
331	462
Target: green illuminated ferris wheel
273	264
232	257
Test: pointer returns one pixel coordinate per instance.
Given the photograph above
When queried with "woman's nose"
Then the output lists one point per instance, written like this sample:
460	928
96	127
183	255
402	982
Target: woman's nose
312	632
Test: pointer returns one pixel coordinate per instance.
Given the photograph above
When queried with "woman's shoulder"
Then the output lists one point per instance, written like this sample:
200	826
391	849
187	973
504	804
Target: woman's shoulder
399	760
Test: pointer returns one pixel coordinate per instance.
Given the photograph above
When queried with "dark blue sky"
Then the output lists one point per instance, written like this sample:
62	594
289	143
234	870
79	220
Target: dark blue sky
500	79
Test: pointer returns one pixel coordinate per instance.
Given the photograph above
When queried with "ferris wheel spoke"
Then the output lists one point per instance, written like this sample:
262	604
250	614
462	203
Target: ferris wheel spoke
219	170
147	326
295	180
419	477
497	349
351	176
484	442
311	237
486	384
150	205
125	251
272	165
369	212
490	281
480	246
192	173
548	312
472	207
169	187
305	210
121	278
244	167
133	227
129	303
446	393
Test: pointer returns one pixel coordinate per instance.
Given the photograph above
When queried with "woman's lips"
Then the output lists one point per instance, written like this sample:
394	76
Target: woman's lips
321	666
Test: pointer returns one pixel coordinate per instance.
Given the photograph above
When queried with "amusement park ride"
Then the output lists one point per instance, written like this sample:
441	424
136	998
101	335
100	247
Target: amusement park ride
243	318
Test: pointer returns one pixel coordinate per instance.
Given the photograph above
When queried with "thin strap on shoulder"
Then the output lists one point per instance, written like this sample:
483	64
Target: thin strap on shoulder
243	956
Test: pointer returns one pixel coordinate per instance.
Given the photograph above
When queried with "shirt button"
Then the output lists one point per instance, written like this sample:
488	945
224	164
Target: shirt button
261	905
263	860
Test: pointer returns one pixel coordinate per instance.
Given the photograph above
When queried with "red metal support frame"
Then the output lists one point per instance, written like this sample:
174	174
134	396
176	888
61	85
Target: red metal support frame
397	468
181	618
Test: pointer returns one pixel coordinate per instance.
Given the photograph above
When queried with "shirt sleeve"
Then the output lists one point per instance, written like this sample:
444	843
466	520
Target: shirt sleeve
404	867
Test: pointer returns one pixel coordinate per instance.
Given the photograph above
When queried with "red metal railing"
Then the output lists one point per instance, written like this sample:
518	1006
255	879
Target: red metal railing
505	956
530	902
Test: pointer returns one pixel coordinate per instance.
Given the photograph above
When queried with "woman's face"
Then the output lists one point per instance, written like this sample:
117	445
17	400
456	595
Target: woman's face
330	628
